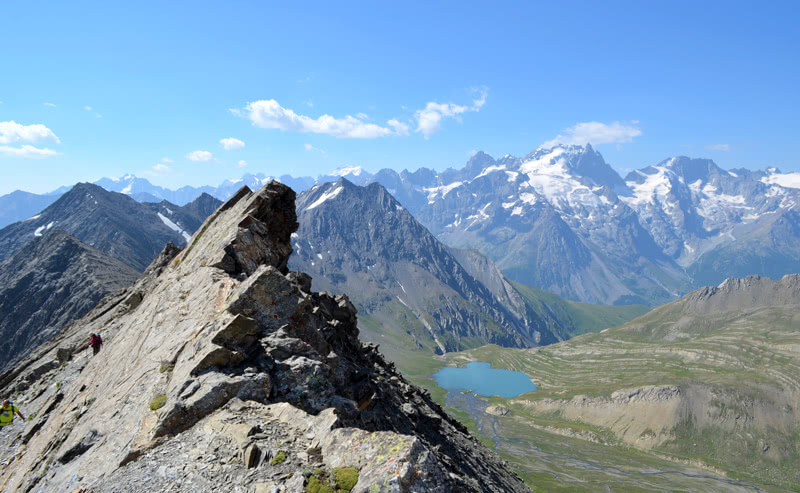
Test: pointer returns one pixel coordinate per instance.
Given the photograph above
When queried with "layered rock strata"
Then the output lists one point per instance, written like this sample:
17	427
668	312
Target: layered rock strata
222	369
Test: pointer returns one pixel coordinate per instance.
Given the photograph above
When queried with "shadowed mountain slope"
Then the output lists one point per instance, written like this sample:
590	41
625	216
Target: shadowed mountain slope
54	280
221	371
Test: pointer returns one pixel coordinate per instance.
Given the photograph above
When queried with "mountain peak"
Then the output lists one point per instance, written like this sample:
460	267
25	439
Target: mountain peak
239	353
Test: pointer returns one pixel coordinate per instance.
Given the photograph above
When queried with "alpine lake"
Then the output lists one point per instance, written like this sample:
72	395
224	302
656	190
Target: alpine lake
484	380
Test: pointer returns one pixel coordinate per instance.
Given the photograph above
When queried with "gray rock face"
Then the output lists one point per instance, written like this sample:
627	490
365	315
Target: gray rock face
111	222
54	280
747	294
219	351
362	240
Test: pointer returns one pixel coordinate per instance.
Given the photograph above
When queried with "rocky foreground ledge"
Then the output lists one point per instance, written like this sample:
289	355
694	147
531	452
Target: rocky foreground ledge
223	371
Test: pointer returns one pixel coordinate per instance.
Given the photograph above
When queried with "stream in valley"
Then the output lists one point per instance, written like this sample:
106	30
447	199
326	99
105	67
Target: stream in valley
566	468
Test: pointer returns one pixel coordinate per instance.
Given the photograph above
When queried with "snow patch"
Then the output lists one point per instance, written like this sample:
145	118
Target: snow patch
491	169
787	180
41	229
656	185
433	192
325	196
174	227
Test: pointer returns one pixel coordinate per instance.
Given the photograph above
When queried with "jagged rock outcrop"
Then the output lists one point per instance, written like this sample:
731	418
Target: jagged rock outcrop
56	279
222	370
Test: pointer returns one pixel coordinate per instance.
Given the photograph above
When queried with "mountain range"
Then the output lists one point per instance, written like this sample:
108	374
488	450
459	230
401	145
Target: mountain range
114	223
561	219
223	371
411	285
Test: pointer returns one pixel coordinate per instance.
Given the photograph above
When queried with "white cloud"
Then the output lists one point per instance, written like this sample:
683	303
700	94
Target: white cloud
362	116
720	147
242	163
311	148
309	103
270	114
161	168
166	160
51	105
27	151
200	156
87	108
429	119
400	128
231	144
597	133
12	132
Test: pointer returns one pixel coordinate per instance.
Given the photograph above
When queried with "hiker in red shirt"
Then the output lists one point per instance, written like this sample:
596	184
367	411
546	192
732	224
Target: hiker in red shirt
95	341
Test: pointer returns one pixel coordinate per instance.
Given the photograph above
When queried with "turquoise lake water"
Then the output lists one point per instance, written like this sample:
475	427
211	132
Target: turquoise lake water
484	380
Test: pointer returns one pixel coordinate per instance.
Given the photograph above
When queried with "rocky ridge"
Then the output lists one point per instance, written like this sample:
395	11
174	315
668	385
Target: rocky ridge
111	222
54	280
222	369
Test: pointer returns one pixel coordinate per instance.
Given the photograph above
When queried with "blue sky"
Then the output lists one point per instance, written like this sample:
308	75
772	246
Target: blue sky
103	88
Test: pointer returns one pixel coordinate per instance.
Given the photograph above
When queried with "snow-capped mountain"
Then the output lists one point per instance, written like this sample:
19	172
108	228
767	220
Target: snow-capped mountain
563	220
553	219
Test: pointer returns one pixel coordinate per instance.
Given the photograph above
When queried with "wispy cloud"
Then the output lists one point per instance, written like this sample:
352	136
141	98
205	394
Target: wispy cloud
242	163
309	103
96	114
166	160
50	105
311	148
429	119
720	147
162	168
27	151
270	114
231	144
597	133
200	156
12	132
362	116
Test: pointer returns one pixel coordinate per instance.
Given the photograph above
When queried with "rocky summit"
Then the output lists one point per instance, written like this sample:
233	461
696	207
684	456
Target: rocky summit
223	371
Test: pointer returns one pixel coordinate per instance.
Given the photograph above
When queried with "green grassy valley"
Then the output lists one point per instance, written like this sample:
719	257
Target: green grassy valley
700	394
